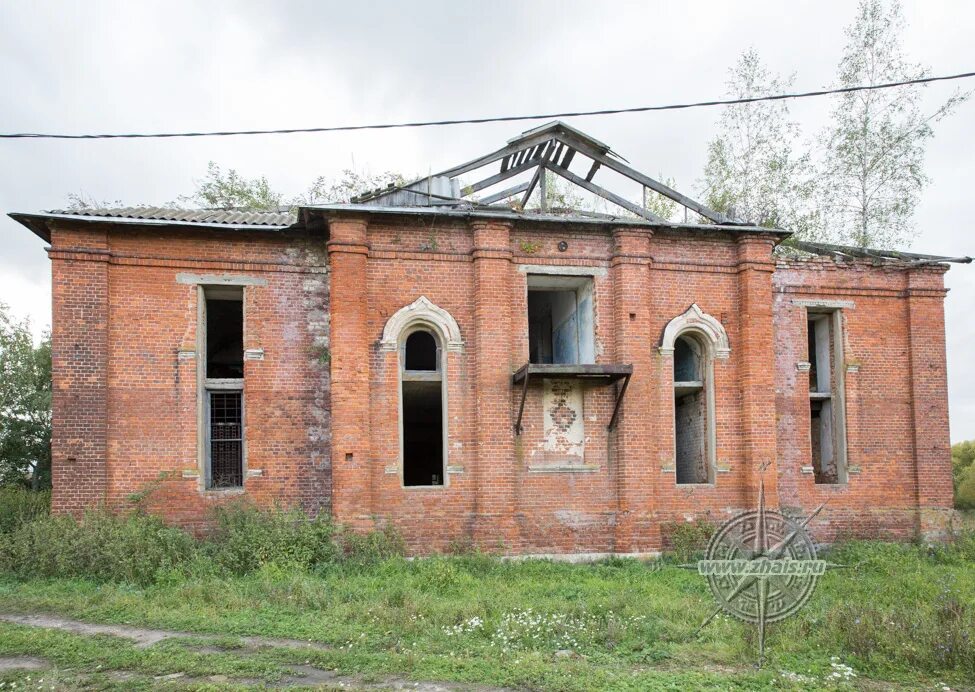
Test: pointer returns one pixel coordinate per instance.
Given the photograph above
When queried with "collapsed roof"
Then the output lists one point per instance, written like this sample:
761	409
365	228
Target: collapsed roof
551	149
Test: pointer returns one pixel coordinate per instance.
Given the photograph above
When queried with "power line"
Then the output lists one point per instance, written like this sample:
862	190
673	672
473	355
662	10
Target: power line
499	119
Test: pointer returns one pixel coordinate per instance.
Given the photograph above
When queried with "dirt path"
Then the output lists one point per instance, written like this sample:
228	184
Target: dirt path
300	675
144	637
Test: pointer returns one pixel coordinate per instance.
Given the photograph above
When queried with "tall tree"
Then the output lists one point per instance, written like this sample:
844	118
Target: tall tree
753	171
873	168
25	405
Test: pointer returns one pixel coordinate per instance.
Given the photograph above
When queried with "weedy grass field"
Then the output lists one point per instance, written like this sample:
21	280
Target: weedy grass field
272	599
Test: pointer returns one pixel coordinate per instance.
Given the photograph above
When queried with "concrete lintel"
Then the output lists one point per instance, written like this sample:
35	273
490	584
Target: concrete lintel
558	270
824	303
563	468
219	279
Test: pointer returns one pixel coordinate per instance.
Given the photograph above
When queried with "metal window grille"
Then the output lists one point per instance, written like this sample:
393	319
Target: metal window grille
226	439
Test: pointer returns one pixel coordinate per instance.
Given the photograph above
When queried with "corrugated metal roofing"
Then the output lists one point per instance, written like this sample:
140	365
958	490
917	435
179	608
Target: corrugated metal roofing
231	217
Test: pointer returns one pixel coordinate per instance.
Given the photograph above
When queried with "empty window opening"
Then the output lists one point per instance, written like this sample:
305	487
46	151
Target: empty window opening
690	412
421	351
423	411
560	320
225	338
223	386
826	425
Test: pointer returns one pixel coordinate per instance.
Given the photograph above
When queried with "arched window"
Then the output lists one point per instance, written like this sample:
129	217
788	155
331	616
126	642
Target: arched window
423	437
694	339
692	426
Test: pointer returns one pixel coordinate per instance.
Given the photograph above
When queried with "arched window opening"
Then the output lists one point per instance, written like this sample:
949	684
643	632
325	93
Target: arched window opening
421	351
691	411
423	420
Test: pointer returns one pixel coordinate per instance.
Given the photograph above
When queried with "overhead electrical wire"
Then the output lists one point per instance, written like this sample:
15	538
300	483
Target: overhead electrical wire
498	119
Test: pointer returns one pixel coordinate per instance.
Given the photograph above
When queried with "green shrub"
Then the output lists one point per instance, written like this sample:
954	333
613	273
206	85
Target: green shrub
372	547
20	505
247	538
687	541
141	549
103	546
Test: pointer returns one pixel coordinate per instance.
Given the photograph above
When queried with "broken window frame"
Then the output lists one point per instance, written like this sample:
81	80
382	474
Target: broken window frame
208	385
705	350
582	287
437	375
829	390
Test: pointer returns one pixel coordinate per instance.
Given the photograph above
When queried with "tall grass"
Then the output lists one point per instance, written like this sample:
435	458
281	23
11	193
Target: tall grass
141	549
20	505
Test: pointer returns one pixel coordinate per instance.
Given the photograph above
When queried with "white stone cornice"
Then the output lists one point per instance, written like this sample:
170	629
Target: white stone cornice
696	320
422	311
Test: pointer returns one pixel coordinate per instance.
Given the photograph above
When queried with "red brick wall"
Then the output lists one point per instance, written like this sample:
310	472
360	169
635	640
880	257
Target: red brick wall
896	398
125	404
322	407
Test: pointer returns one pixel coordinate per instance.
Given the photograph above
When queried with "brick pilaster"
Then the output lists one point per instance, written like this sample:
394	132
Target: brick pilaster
632	462
79	270
495	472
348	251
929	400
756	365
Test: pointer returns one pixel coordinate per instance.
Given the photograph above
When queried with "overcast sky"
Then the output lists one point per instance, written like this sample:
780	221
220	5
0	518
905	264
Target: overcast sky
149	66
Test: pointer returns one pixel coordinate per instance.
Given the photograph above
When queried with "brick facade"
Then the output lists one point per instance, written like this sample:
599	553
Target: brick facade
321	396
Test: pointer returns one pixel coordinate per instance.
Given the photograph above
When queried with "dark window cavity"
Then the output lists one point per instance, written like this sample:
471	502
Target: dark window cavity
225	338
560	320
423	416
223	383
690	412
826	425
421	351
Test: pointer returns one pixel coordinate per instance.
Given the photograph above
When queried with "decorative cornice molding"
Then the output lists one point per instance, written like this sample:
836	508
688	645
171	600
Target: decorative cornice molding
422	311
696	320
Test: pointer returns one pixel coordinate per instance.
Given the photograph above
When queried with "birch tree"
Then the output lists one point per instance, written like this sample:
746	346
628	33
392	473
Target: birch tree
872	170
753	170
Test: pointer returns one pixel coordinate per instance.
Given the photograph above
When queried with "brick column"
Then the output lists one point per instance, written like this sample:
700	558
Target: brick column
929	400
756	365
79	271
348	251
633	463
494	472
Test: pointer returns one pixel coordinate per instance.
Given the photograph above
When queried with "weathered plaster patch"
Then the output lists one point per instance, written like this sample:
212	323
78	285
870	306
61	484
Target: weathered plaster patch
564	430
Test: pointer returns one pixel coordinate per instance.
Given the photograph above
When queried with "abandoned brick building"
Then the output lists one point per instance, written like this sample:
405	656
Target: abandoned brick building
472	370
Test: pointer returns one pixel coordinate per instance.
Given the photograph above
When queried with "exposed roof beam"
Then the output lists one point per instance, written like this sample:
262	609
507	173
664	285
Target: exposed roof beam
504	194
567	159
496	178
495	155
647	181
592	170
531	187
606	194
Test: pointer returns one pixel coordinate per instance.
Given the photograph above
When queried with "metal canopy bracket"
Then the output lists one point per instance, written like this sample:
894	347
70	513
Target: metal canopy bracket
597	374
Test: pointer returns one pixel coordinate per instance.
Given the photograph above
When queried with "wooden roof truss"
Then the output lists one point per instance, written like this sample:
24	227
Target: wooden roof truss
550	149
